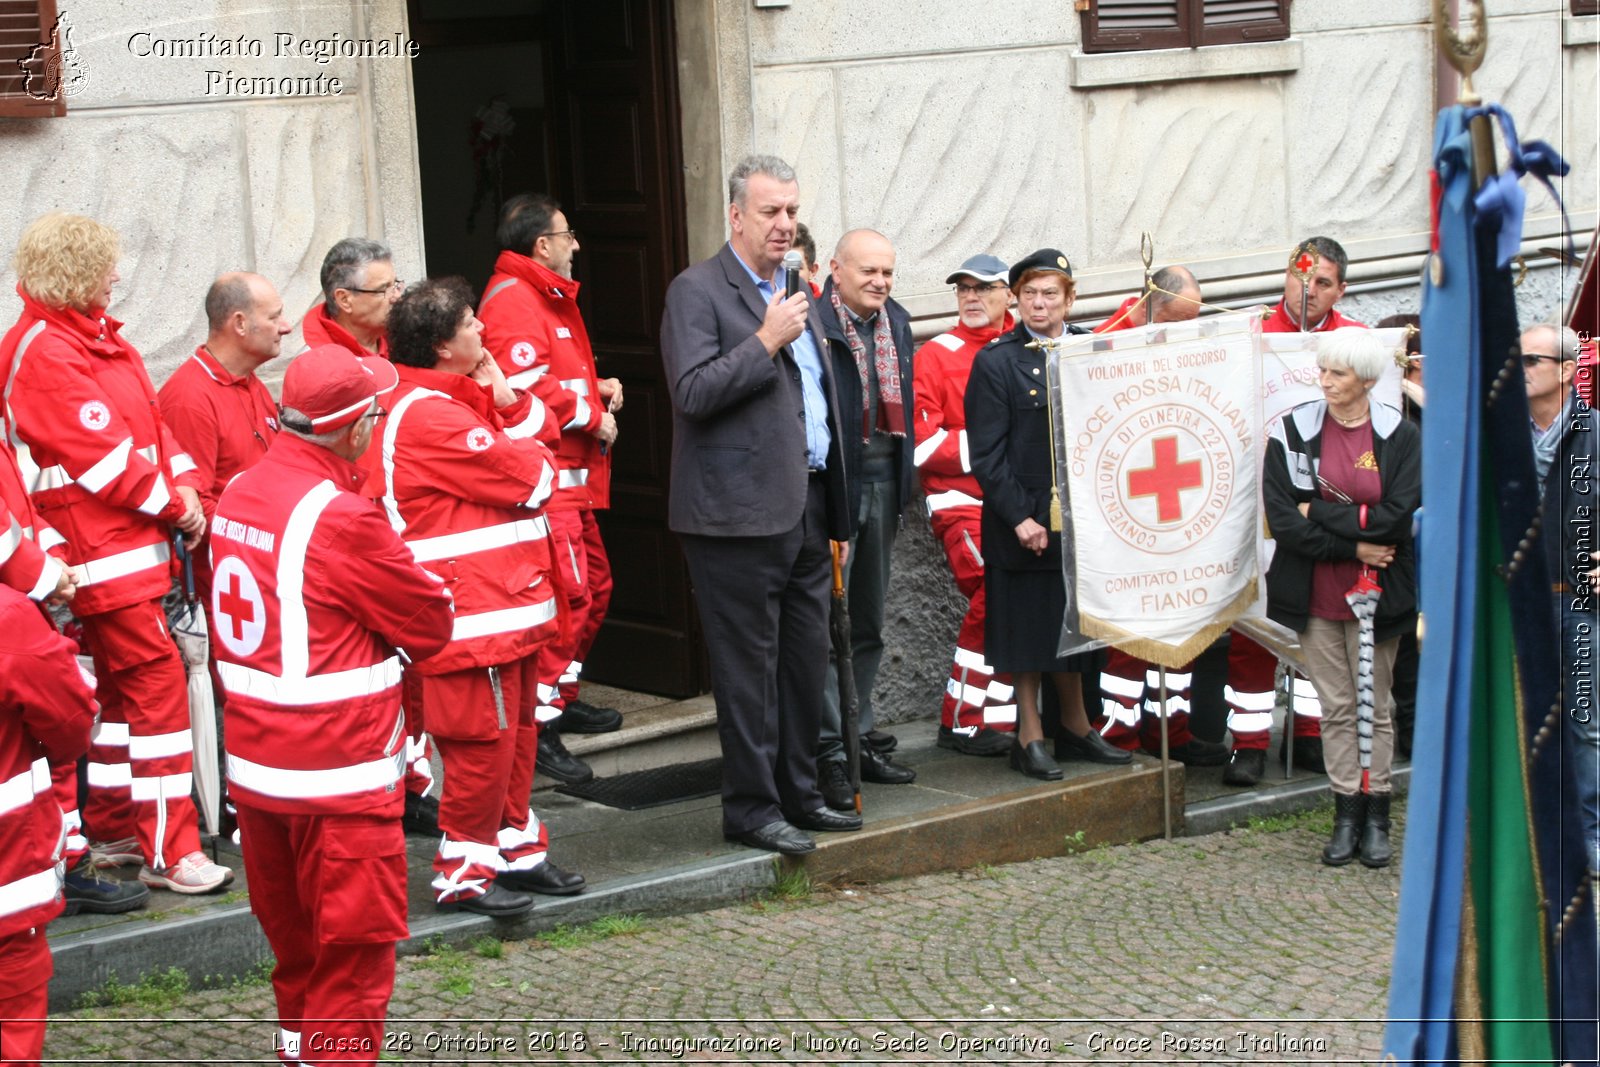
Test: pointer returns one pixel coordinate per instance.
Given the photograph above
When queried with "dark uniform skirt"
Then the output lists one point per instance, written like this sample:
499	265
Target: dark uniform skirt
1022	624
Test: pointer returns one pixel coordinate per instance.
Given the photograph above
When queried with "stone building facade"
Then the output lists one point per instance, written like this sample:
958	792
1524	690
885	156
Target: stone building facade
211	141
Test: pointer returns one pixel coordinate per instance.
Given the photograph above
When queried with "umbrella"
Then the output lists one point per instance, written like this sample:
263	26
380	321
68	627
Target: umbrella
1363	600
194	643
849	705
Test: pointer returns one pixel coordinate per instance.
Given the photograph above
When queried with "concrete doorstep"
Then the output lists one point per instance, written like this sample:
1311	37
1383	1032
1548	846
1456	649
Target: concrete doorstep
961	812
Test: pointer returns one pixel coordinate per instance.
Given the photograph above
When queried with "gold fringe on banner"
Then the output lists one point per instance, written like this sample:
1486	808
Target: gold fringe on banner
1159	652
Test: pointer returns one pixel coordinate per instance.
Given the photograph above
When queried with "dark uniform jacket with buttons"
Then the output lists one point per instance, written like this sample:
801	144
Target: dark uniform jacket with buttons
739	465
1008	439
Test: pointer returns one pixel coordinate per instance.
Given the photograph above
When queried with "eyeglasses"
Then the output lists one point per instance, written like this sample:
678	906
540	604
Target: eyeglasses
376	415
396	286
573	234
963	289
1531	361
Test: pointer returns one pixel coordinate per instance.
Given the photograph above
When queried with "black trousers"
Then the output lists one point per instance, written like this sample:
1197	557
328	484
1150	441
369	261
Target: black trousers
764	607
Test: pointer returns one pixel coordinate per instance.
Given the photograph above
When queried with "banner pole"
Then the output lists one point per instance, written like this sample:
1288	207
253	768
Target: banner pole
1166	764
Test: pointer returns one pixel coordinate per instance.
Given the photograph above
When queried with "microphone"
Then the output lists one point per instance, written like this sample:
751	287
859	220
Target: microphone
793	264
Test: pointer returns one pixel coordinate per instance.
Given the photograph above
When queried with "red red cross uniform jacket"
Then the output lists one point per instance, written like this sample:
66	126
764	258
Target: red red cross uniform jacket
532	325
1280	322
313	595
318	329
100	463
465	487
30	551
975	697
224	424
46	710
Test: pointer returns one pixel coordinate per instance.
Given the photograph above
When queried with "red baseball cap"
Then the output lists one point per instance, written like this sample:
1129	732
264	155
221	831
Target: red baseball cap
333	388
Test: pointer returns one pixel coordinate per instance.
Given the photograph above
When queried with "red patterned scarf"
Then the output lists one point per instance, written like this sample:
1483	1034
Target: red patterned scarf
891	412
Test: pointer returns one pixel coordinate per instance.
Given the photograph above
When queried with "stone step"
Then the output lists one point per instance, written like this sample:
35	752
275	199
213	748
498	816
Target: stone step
653	734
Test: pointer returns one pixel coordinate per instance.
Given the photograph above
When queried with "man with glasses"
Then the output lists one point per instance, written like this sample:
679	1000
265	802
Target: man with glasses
1565	453
979	711
358	289
532	325
867	337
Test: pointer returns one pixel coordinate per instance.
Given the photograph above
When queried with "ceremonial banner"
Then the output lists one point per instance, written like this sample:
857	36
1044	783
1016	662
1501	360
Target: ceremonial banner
1157	432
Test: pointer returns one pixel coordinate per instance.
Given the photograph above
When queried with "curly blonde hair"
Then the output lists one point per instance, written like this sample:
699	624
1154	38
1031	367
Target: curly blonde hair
62	260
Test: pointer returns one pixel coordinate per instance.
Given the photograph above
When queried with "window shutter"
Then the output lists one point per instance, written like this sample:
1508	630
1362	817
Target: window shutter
1237	21
34	91
1134	25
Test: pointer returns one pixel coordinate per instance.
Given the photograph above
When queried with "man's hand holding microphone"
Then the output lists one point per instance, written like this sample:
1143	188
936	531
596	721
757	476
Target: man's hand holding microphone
786	315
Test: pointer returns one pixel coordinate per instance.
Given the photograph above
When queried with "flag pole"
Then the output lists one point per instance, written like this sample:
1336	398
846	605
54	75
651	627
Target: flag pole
1166	763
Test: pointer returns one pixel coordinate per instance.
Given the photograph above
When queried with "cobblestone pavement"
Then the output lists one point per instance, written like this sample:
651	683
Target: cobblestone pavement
1236	947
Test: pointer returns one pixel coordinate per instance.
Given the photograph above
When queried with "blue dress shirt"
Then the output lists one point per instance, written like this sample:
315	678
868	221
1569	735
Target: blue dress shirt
809	360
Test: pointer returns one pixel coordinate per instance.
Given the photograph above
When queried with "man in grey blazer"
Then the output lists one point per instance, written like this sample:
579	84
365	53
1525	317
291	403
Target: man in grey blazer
758	490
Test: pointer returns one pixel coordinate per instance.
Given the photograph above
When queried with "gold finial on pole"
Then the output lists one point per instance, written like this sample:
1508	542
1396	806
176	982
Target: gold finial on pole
1147	252
1463	47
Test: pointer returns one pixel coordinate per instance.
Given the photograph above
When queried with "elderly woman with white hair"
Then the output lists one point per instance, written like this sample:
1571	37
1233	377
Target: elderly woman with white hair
1341	480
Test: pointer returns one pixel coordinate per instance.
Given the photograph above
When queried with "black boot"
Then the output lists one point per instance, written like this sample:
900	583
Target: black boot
1349	812
1375	850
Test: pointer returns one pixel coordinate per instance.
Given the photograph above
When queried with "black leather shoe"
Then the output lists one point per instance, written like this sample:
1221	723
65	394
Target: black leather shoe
826	819
1307	754
983	742
833	782
1197	753
879	741
582	717
1247	767
422	815
776	836
1091	746
554	761
546	878
876	767
498	903
1032	760
1349	816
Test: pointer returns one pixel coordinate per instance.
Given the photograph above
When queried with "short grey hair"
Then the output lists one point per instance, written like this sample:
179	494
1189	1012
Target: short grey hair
739	177
1169	280
288	416
1353	348
1566	338
345	265
227	296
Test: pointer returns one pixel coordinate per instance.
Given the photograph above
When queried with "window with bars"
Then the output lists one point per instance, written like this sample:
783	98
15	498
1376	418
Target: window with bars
1139	25
32	67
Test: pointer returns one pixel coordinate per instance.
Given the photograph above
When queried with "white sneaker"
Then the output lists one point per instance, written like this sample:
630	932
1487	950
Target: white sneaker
108	854
195	873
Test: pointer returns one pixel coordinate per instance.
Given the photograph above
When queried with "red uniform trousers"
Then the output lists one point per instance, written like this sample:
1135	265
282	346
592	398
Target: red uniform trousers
141	756
570	553
1250	693
597	577
334	907
974	696
64	784
25	969
488	777
1130	702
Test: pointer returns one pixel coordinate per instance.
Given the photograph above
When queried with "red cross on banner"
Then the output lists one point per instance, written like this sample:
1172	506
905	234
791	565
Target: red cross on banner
1165	479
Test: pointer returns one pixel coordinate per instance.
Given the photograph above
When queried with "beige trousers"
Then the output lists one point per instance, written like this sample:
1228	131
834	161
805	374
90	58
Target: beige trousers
1331	648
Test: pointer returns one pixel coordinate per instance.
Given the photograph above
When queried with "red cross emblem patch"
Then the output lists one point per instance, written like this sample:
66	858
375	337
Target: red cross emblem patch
94	415
522	354
479	439
237	609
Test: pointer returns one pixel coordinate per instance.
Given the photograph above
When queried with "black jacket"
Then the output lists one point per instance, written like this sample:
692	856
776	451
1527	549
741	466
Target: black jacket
1571	499
1008	440
1330	532
847	381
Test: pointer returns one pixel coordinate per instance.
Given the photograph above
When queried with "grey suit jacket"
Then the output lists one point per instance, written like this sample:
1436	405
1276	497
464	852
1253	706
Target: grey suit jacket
739	440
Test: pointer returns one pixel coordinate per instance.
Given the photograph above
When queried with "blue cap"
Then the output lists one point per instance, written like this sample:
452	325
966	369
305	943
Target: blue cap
983	268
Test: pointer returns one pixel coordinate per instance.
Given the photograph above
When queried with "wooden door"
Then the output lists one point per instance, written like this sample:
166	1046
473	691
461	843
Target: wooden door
615	159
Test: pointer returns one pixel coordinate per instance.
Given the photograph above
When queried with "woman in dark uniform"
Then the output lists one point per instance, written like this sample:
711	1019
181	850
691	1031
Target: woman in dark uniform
1008	437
